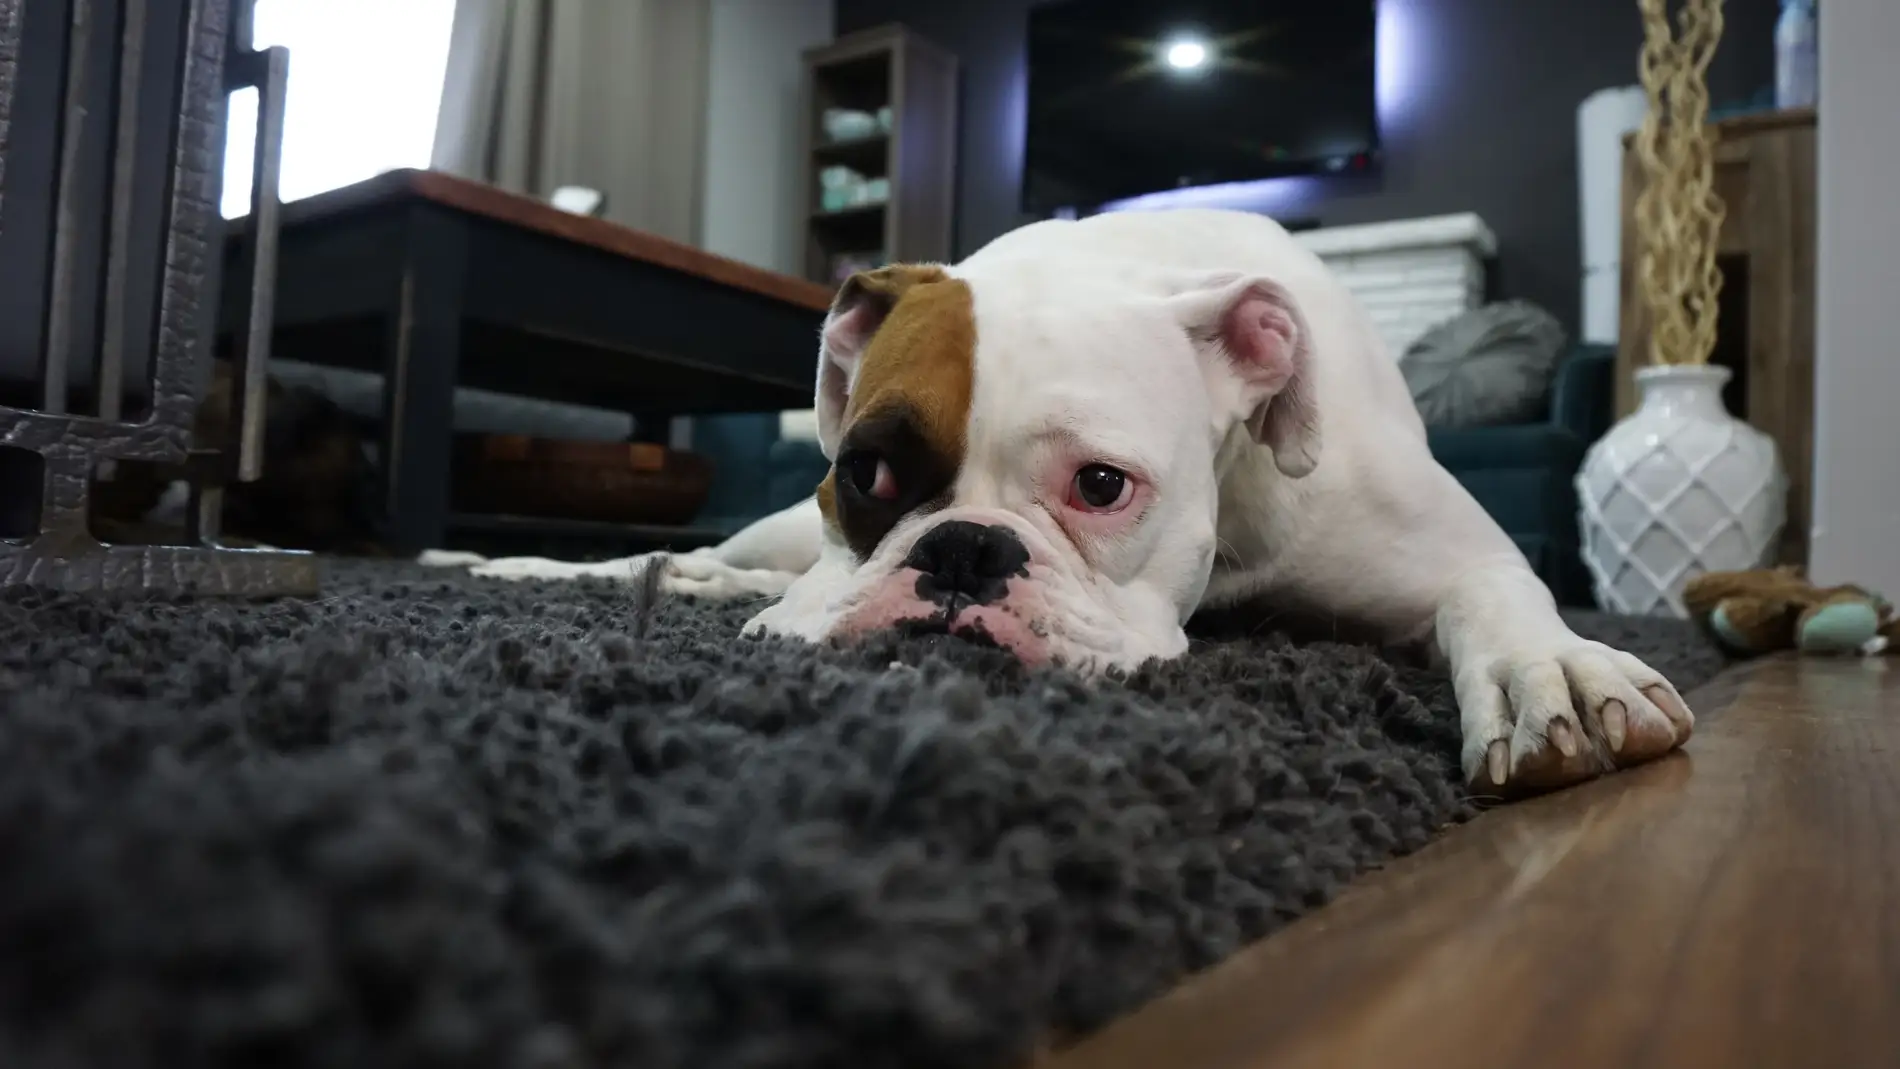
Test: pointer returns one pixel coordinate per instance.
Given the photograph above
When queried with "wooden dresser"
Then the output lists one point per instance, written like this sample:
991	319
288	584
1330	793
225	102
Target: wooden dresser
1764	172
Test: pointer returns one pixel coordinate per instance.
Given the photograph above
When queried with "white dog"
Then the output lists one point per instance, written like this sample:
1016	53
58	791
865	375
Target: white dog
1074	439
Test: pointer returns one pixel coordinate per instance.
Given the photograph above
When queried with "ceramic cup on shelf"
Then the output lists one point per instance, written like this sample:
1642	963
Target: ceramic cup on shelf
841	187
849	124
1677	488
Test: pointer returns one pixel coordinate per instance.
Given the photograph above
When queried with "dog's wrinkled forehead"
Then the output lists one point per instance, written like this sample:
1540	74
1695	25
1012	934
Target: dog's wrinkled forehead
908	402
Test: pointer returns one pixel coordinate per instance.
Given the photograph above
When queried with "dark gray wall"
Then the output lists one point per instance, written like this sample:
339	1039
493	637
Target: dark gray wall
1489	124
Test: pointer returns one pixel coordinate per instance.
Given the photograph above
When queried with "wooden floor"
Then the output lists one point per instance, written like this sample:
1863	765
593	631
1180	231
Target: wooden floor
1735	905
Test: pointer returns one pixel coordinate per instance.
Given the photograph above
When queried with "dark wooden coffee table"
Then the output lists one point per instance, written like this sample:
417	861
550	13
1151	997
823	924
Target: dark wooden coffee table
437	282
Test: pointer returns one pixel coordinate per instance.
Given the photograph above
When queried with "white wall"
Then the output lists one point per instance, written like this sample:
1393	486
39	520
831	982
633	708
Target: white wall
1856	535
751	206
751	210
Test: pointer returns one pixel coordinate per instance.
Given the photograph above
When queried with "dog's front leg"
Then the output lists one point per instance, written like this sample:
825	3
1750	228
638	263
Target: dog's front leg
762	560
1541	707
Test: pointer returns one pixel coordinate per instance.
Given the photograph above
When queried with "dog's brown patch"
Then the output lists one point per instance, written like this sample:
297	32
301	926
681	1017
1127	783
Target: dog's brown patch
923	358
918	369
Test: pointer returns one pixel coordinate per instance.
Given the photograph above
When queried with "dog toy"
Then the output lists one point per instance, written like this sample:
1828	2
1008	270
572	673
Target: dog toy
1763	611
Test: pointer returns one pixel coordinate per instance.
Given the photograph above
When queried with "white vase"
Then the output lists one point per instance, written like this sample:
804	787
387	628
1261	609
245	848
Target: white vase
1677	488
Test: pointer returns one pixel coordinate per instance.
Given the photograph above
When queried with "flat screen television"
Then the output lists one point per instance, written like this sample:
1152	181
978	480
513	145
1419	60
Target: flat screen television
1128	97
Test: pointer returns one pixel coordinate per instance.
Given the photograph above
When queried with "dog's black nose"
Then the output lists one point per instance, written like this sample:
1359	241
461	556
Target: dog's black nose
966	562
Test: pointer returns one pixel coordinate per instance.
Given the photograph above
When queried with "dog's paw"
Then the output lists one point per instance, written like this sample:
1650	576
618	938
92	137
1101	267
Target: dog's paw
705	577
449	558
626	569
688	574
1544	718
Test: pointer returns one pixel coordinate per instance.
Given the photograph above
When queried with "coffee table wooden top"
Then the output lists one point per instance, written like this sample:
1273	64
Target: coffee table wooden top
528	213
1737	904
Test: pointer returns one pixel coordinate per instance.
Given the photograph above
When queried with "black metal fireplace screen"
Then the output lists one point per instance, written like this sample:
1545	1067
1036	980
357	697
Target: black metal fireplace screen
111	159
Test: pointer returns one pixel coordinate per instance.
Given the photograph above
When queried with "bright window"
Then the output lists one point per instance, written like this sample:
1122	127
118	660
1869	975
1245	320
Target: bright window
365	86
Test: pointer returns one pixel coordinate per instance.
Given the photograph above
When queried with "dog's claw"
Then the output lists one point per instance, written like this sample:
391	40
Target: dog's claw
1616	724
1679	716
1563	738
1498	761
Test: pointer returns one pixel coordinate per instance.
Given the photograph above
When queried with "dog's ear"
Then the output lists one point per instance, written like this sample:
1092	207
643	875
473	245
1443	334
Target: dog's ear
1256	353
860	308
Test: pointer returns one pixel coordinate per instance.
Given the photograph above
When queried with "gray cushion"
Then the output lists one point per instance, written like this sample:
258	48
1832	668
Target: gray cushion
1489	366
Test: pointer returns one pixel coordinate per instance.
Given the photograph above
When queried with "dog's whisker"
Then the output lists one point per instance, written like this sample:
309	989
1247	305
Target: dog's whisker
1225	550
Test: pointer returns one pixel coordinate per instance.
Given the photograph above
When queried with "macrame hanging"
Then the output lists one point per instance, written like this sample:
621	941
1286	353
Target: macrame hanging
1678	214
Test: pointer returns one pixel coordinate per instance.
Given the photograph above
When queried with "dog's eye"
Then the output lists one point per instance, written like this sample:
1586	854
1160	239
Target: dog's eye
869	475
1100	488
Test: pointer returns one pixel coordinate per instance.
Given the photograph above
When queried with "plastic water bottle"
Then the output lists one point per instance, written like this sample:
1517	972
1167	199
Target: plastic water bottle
1797	55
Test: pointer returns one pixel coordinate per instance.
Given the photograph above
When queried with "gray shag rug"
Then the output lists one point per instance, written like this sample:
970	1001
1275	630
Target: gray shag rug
429	820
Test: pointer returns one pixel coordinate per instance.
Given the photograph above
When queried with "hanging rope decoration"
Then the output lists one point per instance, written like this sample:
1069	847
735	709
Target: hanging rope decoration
1678	214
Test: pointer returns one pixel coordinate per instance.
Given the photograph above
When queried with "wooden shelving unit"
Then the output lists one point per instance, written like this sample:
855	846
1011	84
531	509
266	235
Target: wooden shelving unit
886	67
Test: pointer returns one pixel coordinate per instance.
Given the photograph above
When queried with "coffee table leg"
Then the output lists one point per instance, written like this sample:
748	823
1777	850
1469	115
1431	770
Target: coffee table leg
423	356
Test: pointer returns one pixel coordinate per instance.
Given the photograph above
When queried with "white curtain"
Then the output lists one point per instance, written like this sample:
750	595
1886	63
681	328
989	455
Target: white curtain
607	94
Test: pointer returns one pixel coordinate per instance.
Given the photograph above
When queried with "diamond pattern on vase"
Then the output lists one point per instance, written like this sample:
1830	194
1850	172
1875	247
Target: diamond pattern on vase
1677	488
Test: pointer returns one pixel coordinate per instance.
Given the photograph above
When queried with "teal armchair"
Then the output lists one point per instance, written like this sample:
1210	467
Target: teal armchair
755	472
1524	475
